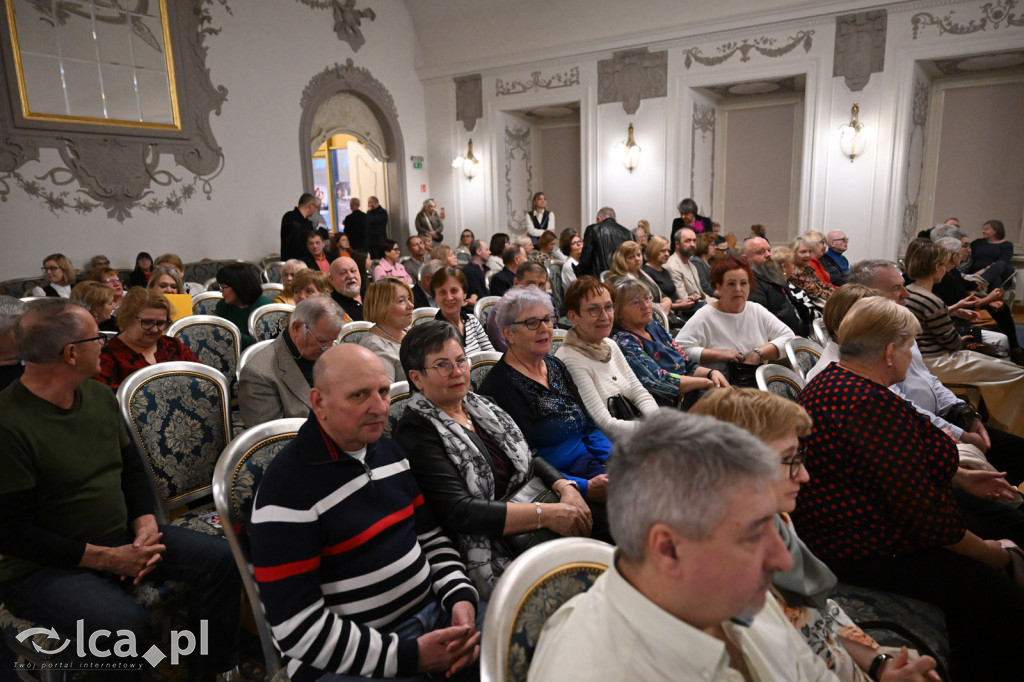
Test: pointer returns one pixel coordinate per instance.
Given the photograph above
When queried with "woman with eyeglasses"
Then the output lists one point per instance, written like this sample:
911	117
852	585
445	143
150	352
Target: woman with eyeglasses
538	391
663	369
803	591
465	241
59	275
571	245
143	317
628	263
108	277
388	304
467	453
615	399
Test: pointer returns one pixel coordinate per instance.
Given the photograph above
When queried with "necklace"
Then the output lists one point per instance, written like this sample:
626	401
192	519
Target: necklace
389	336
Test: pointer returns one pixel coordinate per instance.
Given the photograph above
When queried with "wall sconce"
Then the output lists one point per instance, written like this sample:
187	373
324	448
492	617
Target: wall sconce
468	163
628	151
851	135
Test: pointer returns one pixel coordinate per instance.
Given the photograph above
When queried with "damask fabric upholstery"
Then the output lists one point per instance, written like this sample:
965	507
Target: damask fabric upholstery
543	599
205	270
803	357
214	344
269	324
395	412
783	387
479	372
205	306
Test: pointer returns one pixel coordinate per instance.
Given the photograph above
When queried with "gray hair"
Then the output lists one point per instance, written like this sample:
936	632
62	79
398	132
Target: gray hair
866	271
871	325
10	310
515	301
523	241
675	470
605	213
943	230
312	309
46	327
431	267
951	244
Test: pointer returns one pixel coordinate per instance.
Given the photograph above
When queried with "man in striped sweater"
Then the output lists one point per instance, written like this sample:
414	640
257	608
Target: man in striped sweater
353	572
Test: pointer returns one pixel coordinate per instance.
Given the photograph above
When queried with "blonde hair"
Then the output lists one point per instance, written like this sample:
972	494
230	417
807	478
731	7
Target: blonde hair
840	302
654	245
138	299
871	325
763	414
293	265
65	266
303	278
380	296
159	271
625	250
782	255
94	295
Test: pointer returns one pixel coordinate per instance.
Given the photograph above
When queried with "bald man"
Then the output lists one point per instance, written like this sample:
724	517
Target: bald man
347	282
356	577
834	260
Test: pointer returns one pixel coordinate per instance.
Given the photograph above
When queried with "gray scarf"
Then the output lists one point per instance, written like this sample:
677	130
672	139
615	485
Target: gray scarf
810	581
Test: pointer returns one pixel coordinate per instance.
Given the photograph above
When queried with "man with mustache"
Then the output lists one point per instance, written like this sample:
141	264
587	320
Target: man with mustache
347	283
772	291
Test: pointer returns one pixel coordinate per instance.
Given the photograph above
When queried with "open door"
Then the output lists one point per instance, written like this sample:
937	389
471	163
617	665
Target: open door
366	174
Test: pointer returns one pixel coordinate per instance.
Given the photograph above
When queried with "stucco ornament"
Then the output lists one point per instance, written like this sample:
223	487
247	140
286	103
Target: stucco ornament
630	76
348	19
860	47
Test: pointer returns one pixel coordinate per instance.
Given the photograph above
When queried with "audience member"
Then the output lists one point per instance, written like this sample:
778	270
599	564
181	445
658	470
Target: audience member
69	548
316	257
295	227
308	283
771	290
704	251
242	294
527	244
546	245
805	276
98	261
992	255
347	285
377	225
541	219
428	223
499	240
143	317
421	297
389	265
504	279
444	253
448	287
11	366
465	239
99	301
166	281
899	528
389	306
682	267
571	244
275	381
476	270
819	245
417	256
613	397
171	260
340	244
59	275
356	227
109	277
139	277
627	263
668	374
355	575
682	305
834	261
288	272
642	233
688	217
467	454
527	273
757	230
600	241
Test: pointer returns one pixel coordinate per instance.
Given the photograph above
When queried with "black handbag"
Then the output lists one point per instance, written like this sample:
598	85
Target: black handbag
534	490
740	374
621	407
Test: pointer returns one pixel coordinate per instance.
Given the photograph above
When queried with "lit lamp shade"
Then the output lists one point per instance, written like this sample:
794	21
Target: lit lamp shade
469	164
628	151
851	135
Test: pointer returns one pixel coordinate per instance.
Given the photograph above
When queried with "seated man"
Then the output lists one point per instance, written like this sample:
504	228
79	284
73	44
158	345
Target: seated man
773	292
513	256
76	512
692	509
275	382
354	573
347	283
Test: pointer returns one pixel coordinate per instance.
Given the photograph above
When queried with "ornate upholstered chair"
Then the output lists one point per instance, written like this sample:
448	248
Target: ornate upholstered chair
557	338
533	587
819	332
480	365
660	316
251	351
206	302
779	380
483	308
353	331
400	394
803	355
177	416
421	315
214	340
557	290
267	321
272	272
235	480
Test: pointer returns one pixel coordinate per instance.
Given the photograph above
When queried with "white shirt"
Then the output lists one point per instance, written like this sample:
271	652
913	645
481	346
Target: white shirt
63	290
613	632
533	231
568	271
711	328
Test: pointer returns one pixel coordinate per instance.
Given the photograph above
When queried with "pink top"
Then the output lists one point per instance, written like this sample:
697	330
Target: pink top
386	269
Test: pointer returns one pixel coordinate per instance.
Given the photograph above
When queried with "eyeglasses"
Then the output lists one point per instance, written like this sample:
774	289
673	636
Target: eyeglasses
645	300
534	323
154	324
723	249
113	280
841	239
446	368
50	268
324	345
101	339
796	461
596	310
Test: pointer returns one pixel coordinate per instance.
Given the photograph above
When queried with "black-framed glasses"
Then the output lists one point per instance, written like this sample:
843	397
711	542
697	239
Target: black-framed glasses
446	367
102	339
50	268
154	324
796	461
534	323
596	310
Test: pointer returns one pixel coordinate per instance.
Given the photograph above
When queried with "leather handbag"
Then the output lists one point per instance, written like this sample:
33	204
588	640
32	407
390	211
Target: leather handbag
621	407
741	374
534	490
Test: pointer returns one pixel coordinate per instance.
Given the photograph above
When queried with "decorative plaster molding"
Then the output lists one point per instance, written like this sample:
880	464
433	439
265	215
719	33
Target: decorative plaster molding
344	112
348	20
762	45
340	78
860	47
517	140
703	123
116	167
632	75
994	13
469	100
915	162
535	82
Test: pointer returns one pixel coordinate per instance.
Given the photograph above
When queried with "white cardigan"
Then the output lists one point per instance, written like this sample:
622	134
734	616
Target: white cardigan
597	381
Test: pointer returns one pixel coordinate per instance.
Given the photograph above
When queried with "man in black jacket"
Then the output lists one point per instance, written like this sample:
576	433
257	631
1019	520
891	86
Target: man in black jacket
770	289
356	227
377	225
600	242
296	226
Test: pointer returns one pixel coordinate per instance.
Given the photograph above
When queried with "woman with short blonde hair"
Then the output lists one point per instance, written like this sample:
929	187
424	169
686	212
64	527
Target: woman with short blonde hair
59	275
99	298
388	304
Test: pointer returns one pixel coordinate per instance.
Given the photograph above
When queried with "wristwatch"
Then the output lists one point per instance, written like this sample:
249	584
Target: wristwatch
757	349
568	481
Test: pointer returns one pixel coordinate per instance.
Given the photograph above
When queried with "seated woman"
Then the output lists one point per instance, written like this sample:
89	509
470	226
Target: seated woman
448	287
802	591
598	368
388	304
166	281
628	263
657	255
143	269
467	454
109	278
444	253
835	311
537	390
240	287
340	245
311	283
465	241
143	316
665	371
804	277
544	254
1001	383
499	240
60	277
173	261
316	256
819	245
389	265
288	271
733	329
570	244
783	257
99	299
992	255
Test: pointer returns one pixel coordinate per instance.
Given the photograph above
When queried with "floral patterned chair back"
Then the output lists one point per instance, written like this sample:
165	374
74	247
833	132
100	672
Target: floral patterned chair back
352	332
235	480
400	394
272	272
557	338
177	416
483	308
206	302
480	365
267	321
779	380
803	355
532	588
421	315
215	341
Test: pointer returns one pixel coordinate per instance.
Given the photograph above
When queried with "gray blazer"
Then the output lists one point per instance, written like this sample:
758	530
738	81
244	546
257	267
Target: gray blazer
271	386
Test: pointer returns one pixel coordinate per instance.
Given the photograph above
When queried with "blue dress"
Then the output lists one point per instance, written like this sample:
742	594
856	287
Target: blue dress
658	363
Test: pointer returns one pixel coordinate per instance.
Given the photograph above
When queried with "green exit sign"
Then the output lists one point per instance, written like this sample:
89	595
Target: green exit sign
417	164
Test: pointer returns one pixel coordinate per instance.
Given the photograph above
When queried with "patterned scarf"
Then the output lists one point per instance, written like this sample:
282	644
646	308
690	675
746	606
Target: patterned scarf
486	557
599	351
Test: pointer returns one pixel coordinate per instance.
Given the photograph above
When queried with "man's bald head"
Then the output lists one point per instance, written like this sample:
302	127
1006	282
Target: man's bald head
345	278
350	395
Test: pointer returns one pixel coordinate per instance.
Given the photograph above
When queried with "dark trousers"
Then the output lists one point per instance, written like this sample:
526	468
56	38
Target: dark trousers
982	606
59	597
1007	454
989	519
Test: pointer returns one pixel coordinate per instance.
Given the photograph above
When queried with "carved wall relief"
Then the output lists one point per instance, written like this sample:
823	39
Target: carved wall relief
995	14
860	47
630	76
764	45
348	20
518	178
537	82
915	162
